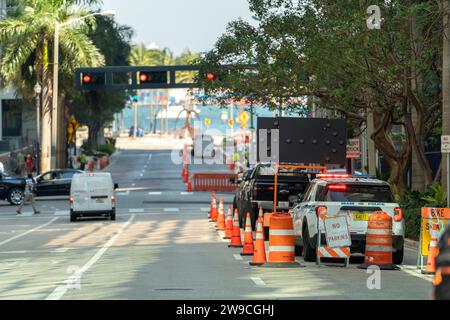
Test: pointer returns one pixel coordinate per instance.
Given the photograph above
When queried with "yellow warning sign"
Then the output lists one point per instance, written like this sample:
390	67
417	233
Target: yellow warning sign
230	122
207	122
244	117
430	216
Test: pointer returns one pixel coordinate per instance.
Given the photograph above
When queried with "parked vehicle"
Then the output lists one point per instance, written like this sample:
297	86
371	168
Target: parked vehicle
55	182
352	196
243	178
91	195
12	188
258	191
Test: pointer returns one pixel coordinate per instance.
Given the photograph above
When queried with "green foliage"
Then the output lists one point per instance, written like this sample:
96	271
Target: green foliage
107	148
412	219
436	196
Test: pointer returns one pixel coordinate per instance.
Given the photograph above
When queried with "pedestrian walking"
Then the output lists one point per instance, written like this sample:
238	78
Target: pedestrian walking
28	195
29	164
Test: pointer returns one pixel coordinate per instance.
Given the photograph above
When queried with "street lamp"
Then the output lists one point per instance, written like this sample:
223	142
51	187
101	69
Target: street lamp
37	91
58	27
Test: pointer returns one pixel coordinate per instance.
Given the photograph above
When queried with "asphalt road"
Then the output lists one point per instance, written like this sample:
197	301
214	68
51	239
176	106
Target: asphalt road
162	247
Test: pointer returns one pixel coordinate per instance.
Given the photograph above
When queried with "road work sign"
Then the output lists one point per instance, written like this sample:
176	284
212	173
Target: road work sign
336	232
430	216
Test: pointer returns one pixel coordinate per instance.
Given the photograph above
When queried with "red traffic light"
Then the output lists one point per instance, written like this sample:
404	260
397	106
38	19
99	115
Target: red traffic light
210	76
144	77
87	78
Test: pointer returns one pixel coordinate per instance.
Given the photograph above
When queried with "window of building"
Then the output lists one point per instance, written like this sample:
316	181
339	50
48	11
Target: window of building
11	118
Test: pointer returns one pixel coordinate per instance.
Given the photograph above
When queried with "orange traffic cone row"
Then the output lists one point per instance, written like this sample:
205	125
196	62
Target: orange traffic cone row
183	171
221	217
214	211
433	252
189	185
213	196
186	174
248	238
259	254
379	242
229	224
236	241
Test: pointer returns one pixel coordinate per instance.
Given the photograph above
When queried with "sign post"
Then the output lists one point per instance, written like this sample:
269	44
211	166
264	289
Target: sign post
445	148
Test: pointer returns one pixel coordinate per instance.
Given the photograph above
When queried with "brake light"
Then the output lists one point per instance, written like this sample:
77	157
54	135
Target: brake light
398	214
71	200
321	211
113	199
338	187
333	176
91	174
270	188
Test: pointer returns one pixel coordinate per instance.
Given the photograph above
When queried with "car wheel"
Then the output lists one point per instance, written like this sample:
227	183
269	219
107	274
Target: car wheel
15	196
73	218
308	253
397	257
113	216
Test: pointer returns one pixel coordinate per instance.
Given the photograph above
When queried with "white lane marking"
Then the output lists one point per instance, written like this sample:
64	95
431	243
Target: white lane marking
141	175
75	278
186	193
28	232
258	281
155	193
25	214
237	256
149	157
204	209
126	193
133	184
14	252
136	210
413	271
171	209
61	250
62	213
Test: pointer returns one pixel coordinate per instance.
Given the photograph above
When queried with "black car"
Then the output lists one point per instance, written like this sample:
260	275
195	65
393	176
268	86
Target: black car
11	188
55	182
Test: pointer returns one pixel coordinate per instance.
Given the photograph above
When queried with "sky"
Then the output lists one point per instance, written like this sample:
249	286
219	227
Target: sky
178	24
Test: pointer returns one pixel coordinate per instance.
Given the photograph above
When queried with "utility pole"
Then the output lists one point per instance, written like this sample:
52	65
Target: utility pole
135	105
38	91
446	91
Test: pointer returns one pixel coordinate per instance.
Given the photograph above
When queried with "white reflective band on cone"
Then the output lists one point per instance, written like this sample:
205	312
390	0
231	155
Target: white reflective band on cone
281	248
379	231
259	236
281	232
378	248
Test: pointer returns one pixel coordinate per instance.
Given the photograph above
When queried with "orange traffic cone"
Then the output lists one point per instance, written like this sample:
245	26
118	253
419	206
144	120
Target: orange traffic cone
248	238
214	211
213	196
229	224
183	171
189	185
221	217
259	255
236	241
186	174
433	252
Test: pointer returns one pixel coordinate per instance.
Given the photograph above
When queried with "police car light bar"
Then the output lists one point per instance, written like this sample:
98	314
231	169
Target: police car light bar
333	176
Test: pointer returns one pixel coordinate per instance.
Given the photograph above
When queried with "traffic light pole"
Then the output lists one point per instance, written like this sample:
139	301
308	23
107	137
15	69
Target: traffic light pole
135	104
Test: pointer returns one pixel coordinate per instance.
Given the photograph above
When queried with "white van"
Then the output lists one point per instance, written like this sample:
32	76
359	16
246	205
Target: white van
92	194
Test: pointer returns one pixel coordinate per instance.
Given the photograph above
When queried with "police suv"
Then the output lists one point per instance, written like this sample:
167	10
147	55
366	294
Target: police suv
355	197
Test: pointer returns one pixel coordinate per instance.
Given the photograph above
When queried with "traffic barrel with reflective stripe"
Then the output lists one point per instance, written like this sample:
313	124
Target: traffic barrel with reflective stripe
281	241
236	241
379	242
248	237
229	224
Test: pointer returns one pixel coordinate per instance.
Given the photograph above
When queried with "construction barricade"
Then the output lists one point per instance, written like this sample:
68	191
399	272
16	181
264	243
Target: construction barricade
433	223
337	237
218	182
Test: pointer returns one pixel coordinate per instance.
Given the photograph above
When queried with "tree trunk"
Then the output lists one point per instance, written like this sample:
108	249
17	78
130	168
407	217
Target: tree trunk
94	128
47	89
446	85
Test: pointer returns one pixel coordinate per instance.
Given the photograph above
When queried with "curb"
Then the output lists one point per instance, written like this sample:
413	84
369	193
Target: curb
412	244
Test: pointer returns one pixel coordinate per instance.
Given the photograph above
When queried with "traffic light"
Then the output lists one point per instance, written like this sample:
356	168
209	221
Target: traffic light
159	77
93	78
211	76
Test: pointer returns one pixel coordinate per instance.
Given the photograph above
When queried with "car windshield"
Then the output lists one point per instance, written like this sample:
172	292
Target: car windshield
356	193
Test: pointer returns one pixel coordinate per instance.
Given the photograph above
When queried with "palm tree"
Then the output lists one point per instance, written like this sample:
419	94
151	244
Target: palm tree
26	41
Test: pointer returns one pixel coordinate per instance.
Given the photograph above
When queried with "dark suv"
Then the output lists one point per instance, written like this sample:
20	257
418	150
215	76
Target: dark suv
11	189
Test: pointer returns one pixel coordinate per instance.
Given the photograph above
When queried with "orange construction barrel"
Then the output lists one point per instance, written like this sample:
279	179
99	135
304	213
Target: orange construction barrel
281	242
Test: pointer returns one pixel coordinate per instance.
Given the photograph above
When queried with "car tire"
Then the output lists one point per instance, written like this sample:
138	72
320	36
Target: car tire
298	251
73	218
113	216
15	196
397	257
309	254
